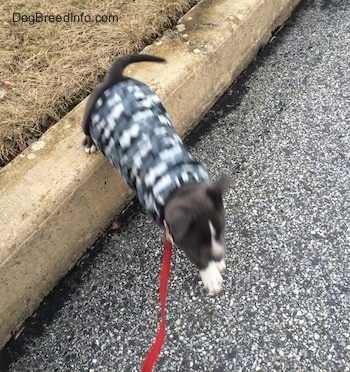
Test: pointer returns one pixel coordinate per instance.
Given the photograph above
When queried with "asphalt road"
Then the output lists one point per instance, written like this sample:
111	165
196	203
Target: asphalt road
282	133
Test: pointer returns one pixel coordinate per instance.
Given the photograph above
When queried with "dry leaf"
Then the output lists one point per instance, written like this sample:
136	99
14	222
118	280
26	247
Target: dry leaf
3	93
115	226
8	83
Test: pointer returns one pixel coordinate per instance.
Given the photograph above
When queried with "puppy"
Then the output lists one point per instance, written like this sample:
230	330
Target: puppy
125	119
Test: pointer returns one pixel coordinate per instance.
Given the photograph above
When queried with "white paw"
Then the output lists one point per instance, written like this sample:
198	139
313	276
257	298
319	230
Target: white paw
211	277
90	149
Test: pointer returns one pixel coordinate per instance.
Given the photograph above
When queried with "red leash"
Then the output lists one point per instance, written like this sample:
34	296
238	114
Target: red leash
156	348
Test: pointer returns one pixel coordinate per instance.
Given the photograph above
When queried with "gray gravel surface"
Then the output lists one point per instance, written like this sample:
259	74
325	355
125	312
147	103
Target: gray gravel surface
282	134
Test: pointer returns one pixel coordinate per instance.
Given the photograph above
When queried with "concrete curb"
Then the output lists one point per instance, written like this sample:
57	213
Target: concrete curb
55	200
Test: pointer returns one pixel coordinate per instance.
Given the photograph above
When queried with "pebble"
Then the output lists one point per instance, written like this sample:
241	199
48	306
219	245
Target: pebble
181	27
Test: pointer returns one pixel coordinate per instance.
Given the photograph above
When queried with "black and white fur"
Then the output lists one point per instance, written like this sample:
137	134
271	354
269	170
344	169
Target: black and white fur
193	213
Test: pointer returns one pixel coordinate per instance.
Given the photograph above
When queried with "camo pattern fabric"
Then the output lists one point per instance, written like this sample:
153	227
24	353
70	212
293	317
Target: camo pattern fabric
130	126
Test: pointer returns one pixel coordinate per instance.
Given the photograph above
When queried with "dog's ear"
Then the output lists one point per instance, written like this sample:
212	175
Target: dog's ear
215	190
178	221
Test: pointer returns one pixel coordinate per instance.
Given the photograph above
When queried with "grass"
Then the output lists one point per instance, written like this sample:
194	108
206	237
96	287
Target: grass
46	68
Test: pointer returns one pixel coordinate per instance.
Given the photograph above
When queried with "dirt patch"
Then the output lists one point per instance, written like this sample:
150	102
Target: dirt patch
52	56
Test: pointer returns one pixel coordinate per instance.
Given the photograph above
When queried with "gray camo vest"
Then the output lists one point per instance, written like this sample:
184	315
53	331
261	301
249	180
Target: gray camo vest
131	127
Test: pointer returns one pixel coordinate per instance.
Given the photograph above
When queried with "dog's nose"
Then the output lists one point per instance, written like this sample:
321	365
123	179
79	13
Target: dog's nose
218	257
218	252
218	249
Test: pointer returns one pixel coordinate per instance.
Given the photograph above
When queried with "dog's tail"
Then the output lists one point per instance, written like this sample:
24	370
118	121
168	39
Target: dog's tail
114	76
115	73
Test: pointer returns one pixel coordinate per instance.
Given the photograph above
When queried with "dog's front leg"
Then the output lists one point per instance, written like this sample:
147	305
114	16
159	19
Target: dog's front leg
211	276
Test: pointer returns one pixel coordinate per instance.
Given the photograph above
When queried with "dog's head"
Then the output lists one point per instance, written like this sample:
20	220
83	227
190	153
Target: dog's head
195	218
